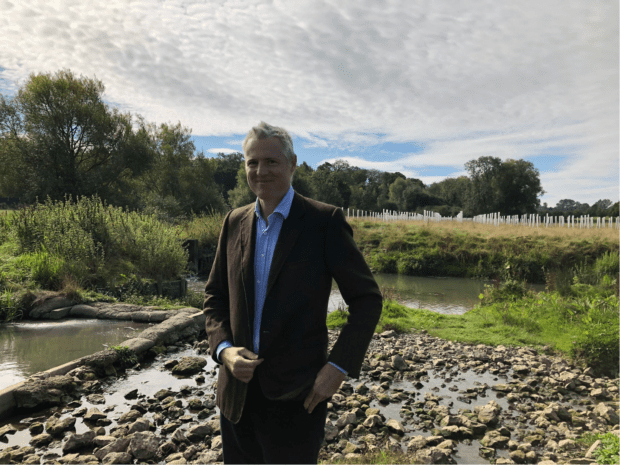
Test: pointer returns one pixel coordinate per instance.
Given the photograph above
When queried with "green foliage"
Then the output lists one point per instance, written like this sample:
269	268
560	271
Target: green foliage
190	299
126	356
204	228
9	306
609	450
241	195
94	244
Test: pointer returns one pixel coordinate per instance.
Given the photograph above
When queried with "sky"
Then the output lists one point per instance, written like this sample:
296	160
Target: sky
420	87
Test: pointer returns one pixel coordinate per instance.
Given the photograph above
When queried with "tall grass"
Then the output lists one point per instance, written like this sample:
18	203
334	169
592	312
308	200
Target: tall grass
93	244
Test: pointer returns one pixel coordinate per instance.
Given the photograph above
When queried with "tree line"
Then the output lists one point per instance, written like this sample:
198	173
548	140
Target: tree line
58	138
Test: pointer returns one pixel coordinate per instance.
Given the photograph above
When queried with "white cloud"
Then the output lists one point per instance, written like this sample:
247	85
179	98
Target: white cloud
464	77
225	151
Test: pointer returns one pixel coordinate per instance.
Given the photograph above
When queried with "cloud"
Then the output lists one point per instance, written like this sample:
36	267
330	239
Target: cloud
225	151
464	77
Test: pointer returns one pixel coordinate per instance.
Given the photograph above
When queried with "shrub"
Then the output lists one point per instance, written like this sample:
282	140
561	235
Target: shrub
126	356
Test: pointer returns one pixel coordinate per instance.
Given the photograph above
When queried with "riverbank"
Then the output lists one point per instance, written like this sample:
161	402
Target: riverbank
425	399
534	255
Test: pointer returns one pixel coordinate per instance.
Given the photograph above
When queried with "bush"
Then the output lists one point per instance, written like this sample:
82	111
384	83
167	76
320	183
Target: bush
96	244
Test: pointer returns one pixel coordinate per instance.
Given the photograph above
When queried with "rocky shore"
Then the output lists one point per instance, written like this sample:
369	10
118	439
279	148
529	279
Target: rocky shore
437	401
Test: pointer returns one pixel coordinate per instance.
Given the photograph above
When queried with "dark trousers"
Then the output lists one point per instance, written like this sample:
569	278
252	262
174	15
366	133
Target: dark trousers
272	431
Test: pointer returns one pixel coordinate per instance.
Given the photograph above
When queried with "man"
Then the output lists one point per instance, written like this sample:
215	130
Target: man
266	307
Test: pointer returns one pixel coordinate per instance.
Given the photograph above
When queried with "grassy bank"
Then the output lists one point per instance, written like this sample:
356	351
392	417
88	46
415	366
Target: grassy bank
482	251
579	319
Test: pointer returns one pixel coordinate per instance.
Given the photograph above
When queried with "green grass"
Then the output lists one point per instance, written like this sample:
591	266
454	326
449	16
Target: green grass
382	457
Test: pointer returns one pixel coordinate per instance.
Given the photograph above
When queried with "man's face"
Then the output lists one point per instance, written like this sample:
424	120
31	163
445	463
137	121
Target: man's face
268	171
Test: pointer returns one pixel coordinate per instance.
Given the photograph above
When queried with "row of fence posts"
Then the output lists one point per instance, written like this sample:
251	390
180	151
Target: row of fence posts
496	219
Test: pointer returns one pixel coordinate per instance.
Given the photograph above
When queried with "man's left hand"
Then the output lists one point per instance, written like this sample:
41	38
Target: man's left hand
326	384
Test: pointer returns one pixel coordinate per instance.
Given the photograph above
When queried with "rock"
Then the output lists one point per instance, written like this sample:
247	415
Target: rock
210	456
56	426
34	429
78	441
120	445
389	333
566	444
394	426
163	393
42	307
347	418
216	443
143	445
189	365
10	429
556	413
94	414
518	456
40	440
129	417
117	457
43	392
178	436
199	432
103	440
133	394
373	421
141	424
593	447
607	413
489	414
494	440
331	431
432	455
398	363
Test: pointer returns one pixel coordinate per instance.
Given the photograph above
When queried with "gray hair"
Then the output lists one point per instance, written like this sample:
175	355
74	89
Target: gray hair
265	131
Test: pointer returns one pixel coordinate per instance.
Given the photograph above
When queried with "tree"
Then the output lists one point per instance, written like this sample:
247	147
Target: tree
242	194
511	187
58	137
180	181
226	171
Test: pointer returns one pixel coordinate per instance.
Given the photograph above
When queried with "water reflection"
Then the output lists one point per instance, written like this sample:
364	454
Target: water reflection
29	347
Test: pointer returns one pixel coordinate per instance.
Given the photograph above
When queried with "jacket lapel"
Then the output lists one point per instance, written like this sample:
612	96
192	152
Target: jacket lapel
248	244
288	236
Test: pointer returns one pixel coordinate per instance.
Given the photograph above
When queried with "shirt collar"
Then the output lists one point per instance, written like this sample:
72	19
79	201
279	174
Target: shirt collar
283	208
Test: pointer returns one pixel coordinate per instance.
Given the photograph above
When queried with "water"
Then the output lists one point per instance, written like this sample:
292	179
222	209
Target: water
30	347
442	295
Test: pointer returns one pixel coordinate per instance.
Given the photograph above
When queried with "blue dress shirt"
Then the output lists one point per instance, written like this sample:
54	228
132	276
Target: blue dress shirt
266	239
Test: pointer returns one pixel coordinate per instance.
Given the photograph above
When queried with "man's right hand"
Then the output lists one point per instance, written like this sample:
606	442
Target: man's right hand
241	362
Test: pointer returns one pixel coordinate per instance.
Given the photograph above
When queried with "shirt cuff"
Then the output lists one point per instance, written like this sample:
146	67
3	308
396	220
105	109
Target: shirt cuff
223	345
334	365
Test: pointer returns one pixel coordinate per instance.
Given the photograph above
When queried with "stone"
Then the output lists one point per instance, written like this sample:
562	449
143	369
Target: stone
120	445
389	333
518	456
210	456
432	455
40	440
103	440
129	417
395	426
567	444
593	447
347	418
143	445
133	394
489	414
606	412
216	443
199	432
34	429
189	365
10	429
56	426
36	393
141	424
494	440
42	307
117	457
398	363
373	421
78	441
94	414
331	431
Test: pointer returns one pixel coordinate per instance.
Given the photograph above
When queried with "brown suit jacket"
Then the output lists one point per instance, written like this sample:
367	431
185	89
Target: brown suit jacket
315	244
